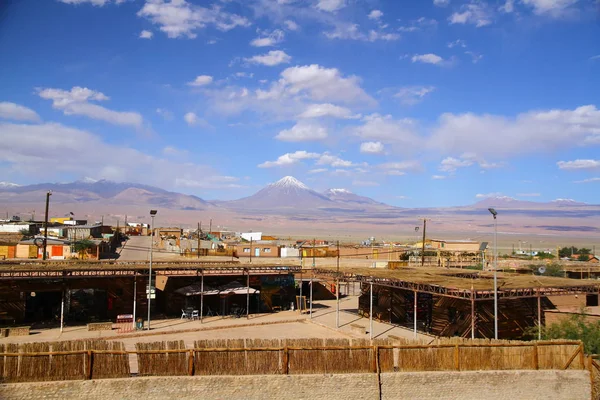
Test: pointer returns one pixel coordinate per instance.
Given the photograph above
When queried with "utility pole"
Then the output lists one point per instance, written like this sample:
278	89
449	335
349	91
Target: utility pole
210	227
198	239
337	288
149	292
423	244
48	194
250	249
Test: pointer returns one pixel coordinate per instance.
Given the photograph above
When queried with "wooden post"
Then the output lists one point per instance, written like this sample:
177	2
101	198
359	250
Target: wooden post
286	360
536	360
374	361
415	314
191	363
90	363
371	313
456	358
201	294
62	310
539	314
472	313
248	294
581	356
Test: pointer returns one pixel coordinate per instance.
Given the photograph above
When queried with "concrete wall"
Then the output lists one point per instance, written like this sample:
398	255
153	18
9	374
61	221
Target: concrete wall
489	385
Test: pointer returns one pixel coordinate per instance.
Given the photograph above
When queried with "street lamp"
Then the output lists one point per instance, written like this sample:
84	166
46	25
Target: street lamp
495	214
149	294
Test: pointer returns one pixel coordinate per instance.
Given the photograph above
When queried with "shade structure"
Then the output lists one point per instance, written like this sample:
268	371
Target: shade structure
195	289
236	288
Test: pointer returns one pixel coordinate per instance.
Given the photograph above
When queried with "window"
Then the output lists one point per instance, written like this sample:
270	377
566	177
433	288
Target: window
267	250
246	249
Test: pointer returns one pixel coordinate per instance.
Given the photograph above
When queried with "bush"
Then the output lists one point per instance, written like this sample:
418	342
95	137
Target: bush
574	328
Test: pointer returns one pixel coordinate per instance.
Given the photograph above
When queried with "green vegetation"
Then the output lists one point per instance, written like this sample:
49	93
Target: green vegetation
552	269
573	328
545	256
82	246
583	253
24	232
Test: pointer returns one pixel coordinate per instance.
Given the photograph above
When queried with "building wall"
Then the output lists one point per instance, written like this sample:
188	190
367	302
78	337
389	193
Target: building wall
8	251
455	246
14	228
266	250
491	385
26	251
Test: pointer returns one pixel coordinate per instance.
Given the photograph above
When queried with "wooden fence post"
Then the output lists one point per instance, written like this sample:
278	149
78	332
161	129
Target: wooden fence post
191	363
286	360
591	370
581	356
375	358
536	360
90	363
456	358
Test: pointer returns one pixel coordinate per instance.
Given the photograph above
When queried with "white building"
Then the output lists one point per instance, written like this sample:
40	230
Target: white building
254	236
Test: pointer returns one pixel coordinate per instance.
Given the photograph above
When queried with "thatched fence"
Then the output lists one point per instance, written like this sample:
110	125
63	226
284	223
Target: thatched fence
107	359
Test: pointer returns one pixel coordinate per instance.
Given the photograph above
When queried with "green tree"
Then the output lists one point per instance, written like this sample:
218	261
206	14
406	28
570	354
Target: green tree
584	251
545	256
567	251
583	257
24	232
575	327
551	269
82	246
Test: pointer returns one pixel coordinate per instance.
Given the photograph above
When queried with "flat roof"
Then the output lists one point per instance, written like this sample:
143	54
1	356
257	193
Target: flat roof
461	283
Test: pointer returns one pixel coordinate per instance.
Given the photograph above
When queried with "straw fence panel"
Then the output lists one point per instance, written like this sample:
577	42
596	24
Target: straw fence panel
220	363
426	359
108	365
264	362
11	364
556	357
306	361
162	364
362	360
34	368
71	366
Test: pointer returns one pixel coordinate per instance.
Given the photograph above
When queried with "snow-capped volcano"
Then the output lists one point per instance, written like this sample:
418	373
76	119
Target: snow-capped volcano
288	192
8	185
346	196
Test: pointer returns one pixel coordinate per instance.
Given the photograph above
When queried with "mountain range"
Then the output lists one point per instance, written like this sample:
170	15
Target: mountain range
289	200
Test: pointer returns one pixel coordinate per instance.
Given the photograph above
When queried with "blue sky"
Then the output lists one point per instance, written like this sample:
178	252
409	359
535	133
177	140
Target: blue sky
414	103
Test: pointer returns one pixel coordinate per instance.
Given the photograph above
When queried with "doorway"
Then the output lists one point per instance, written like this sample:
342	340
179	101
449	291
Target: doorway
256	252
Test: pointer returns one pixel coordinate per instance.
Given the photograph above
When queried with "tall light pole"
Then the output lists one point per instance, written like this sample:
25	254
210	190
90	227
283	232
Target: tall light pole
152	214
48	194
495	214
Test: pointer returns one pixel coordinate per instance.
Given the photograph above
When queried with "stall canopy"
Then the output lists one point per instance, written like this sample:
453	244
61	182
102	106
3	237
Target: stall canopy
195	289
236	288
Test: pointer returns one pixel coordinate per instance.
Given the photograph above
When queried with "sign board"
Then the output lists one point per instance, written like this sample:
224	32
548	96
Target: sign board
151	291
151	296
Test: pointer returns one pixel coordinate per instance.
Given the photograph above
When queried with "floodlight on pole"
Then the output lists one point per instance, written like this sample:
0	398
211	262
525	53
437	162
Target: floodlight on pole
149	291
495	214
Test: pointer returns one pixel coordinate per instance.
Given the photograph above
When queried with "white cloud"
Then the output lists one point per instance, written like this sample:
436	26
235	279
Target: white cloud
579	164
419	24
89	155
412	95
289	159
190	118
76	102
475	57
98	3
291	25
375	14
457	43
325	110
441	3
508	7
201	80
428	58
409	165
331	5
146	34
17	112
438	177
400	133
553	8
303	132
166	114
352	32
371	147
451	164
529	194
318	171
535	131
178	18
589	180
334	161
488	195
272	58
244	75
474	13
595	57
267	39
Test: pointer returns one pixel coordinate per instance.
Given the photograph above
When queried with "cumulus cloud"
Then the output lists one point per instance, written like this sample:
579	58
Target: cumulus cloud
372	147
441	3
534	131
178	18
579	164
289	159
451	164
146	34
166	114
267	39
272	58
331	5
334	161
552	8
438	177
291	25
428	58
201	80
402	133
303	132
474	13
353	32
411	95
77	102
375	15
16	112
488	195
90	155
98	3
475	57
325	110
